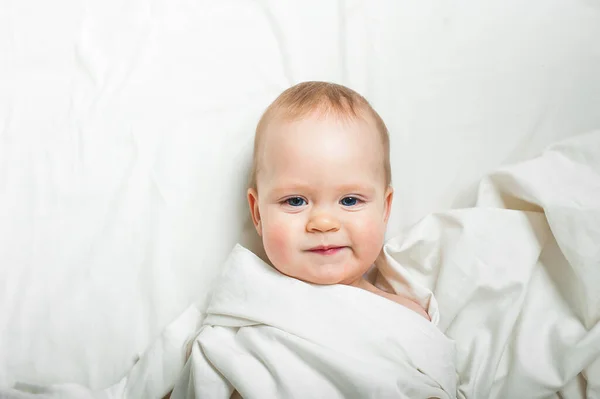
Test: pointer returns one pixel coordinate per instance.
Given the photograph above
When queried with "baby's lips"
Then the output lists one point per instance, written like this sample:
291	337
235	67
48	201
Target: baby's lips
326	247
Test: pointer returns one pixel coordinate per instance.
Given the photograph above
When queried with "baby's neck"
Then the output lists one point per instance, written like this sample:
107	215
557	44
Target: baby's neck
407	302
362	283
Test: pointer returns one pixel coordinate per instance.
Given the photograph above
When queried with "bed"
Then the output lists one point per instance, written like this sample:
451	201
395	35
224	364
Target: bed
126	134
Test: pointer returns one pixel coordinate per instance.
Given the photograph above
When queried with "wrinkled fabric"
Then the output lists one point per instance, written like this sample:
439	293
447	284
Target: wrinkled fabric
513	282
126	132
516	278
267	335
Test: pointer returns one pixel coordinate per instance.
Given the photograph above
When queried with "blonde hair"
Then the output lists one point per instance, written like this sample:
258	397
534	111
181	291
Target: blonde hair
326	98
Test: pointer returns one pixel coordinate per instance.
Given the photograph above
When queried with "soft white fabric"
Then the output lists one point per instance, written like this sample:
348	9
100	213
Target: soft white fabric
267	335
517	277
152	376
126	127
515	281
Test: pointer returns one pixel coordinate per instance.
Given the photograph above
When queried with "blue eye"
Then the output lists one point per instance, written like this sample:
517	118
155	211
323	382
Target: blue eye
349	201
295	201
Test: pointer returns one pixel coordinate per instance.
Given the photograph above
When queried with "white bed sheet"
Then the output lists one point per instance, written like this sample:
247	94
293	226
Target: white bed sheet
126	128
513	282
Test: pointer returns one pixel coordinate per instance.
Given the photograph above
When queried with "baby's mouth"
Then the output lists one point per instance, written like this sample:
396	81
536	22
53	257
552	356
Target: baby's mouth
326	249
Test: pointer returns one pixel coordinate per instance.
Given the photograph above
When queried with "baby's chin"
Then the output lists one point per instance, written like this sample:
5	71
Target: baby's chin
328	274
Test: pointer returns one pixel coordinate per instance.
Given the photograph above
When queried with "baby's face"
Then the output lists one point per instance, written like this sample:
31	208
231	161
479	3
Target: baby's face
322	205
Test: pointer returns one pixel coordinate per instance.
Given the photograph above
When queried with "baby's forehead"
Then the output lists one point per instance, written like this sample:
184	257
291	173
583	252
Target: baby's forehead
320	147
280	127
318	103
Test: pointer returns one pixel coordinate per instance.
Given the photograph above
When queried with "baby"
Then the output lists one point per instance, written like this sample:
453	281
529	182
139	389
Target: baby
310	326
320	193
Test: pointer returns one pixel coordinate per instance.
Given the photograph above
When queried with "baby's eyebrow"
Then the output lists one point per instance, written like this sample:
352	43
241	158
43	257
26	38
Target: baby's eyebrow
290	189
356	188
303	188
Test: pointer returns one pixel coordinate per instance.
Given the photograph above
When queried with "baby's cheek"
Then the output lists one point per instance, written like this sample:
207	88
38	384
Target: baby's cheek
370	235
277	243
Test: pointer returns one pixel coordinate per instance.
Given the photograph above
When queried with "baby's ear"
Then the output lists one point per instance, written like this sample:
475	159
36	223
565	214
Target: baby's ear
254	212
387	204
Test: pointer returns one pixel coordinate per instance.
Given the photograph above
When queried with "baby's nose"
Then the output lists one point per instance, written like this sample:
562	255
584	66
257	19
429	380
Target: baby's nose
322	222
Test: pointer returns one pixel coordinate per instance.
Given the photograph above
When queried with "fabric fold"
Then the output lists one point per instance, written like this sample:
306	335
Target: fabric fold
263	330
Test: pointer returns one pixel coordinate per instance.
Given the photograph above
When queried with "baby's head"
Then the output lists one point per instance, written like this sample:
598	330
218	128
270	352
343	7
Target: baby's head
320	193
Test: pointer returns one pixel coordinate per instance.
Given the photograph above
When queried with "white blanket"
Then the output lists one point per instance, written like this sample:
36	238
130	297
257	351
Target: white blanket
516	282
267	335
517	277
